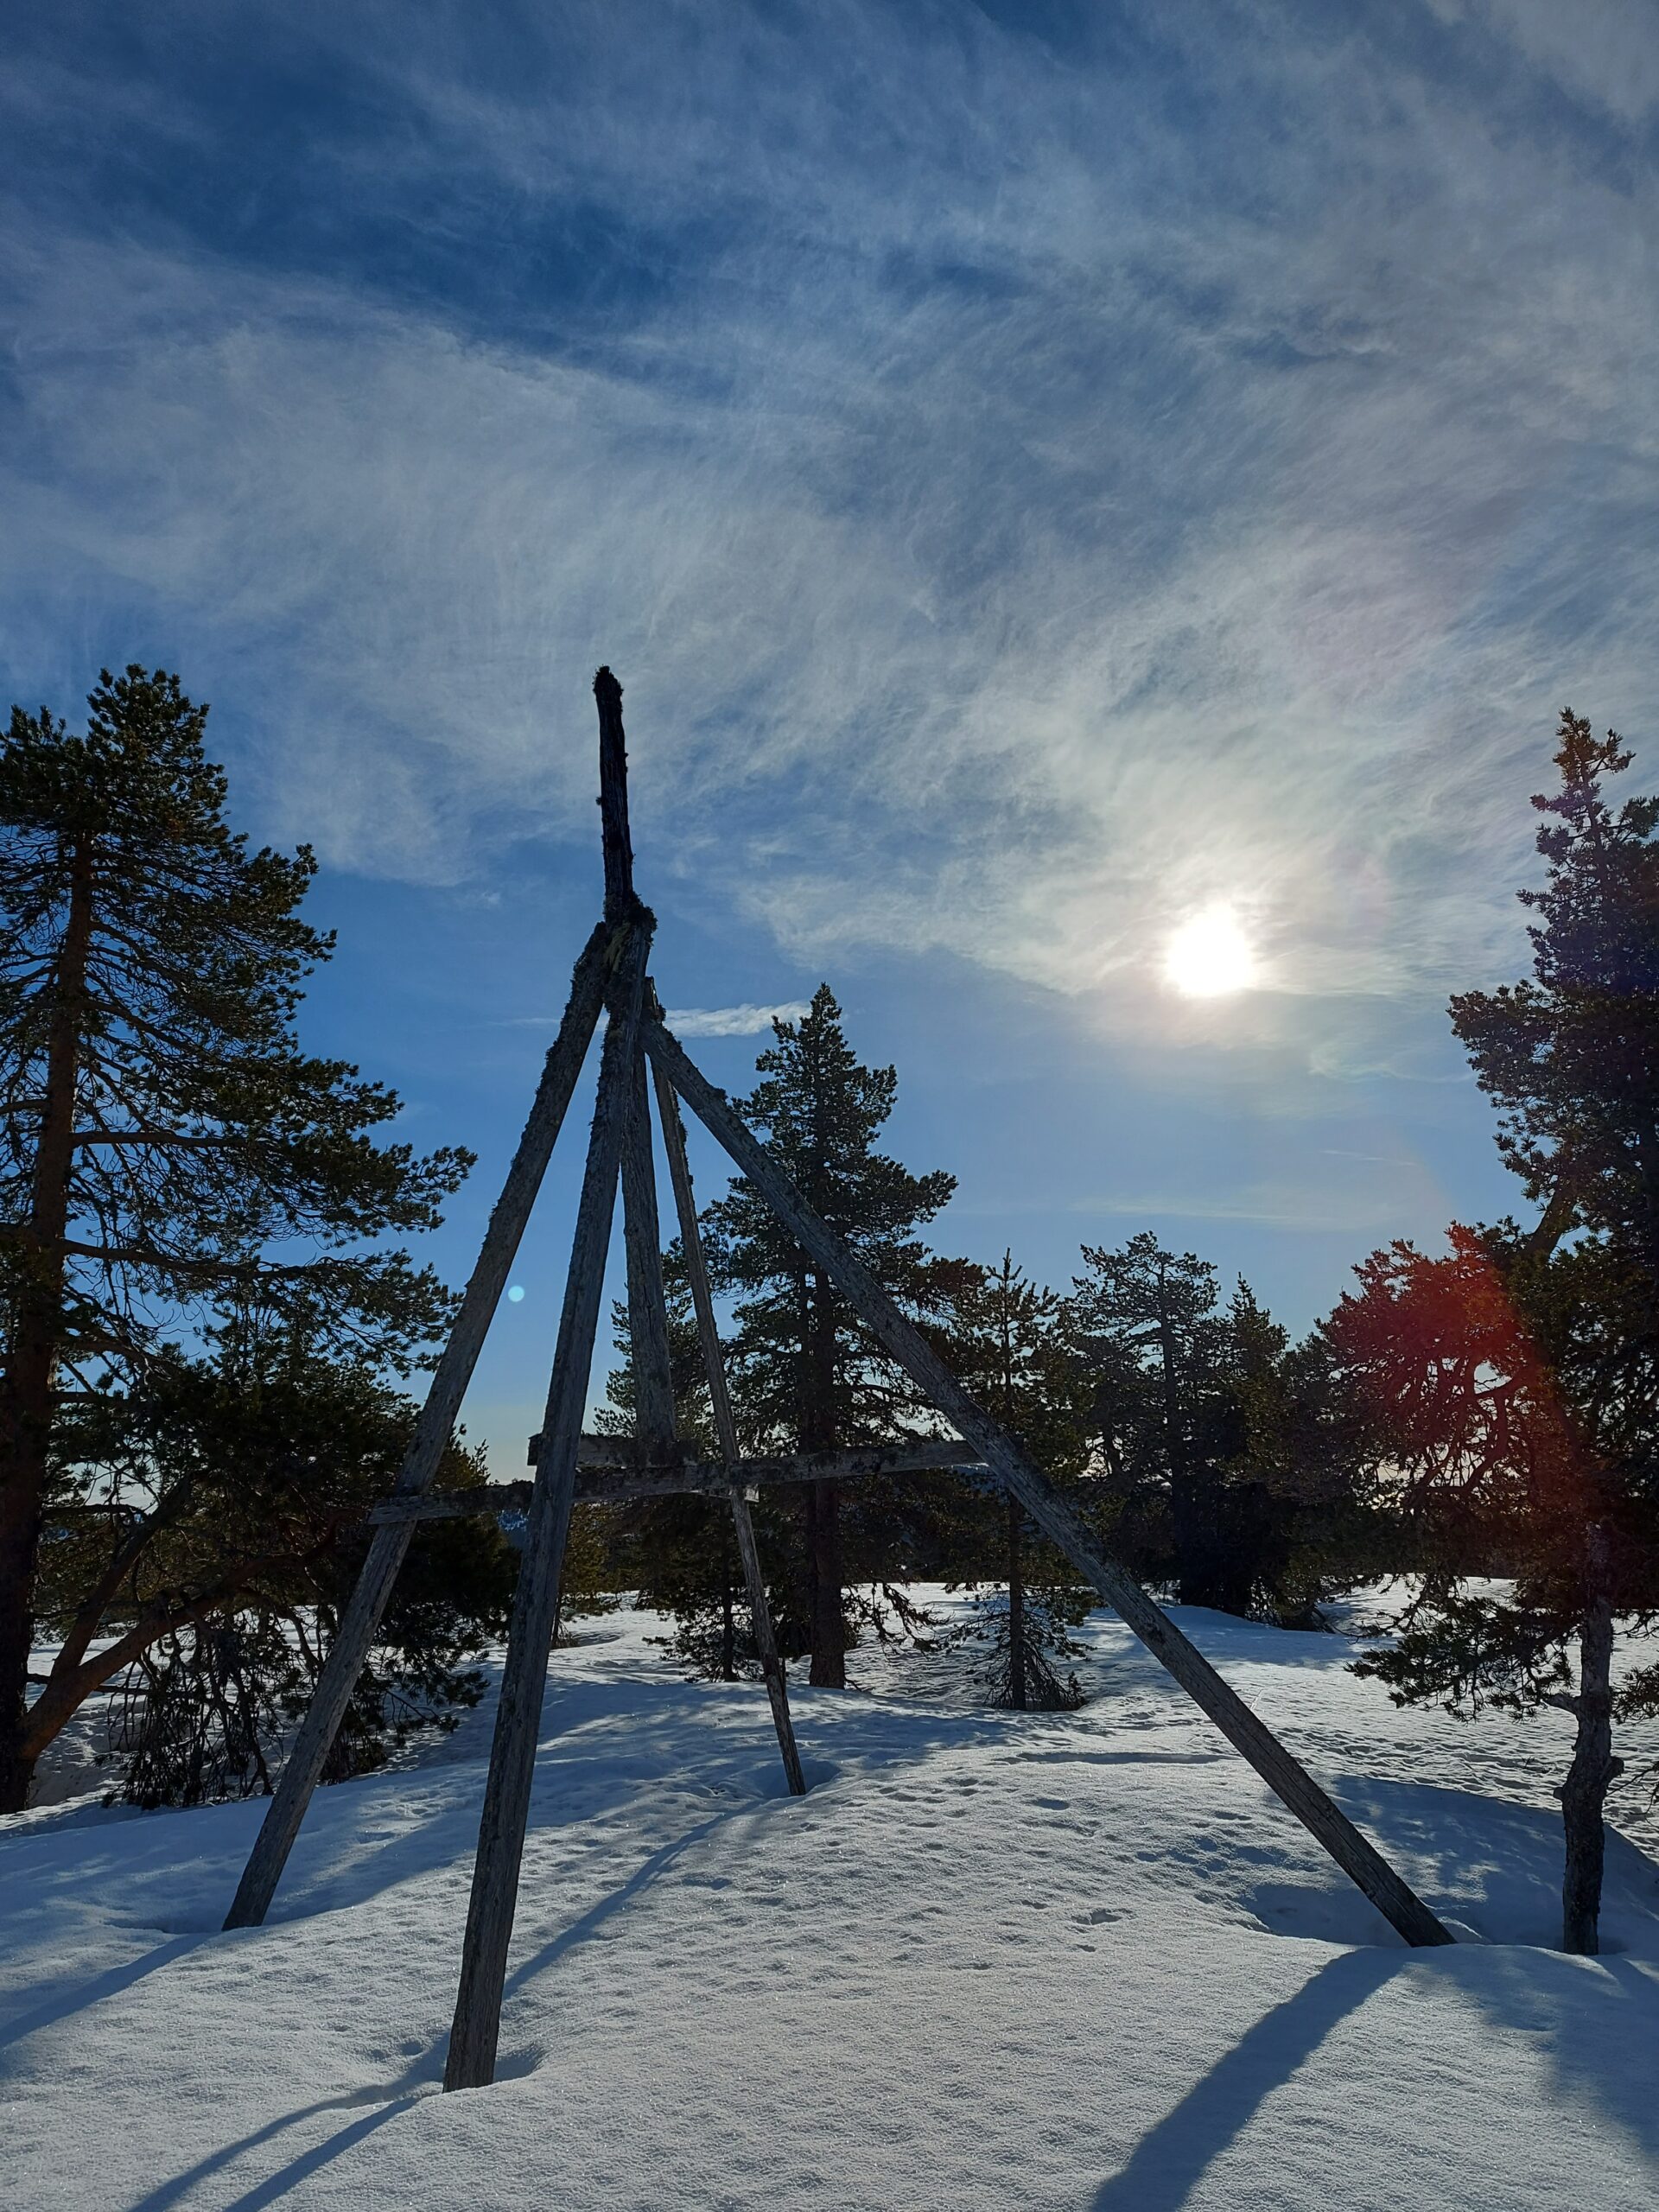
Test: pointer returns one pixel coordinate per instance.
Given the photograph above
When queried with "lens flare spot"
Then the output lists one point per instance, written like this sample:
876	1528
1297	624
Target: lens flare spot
517	1293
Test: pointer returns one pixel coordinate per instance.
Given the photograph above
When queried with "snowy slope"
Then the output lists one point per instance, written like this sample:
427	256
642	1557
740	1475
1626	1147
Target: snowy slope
1080	1960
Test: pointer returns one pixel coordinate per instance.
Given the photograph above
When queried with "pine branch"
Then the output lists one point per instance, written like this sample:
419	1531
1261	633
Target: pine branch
165	1140
68	1690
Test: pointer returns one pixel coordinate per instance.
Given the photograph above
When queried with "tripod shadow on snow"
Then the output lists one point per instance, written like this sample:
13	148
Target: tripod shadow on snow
605	1747
649	1871
67	2002
384	2104
364	1838
421	2078
1172	2158
1589	2017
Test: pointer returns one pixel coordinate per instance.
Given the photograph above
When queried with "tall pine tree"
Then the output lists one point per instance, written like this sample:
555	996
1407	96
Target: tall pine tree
1147	1323
806	1374
1516	1381
168	1155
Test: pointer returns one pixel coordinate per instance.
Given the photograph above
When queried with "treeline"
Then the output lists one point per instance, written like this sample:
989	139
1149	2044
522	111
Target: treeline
211	1326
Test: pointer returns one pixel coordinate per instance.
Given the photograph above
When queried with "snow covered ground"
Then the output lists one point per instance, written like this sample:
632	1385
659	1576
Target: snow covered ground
1079	1960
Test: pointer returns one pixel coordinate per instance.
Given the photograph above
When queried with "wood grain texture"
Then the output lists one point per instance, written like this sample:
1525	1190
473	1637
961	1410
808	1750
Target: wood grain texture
470	2061
433	1429
1243	1729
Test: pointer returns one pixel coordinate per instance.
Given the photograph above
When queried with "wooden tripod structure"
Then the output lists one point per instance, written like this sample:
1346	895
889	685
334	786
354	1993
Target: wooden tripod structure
612	973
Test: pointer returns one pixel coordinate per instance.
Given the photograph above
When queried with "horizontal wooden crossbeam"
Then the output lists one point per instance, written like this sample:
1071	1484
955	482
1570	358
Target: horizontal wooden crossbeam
914	1455
613	1470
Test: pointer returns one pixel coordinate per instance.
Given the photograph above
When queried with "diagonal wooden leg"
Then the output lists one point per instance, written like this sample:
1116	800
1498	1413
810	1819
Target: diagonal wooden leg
432	1432
772	1664
512	1753
653	1385
1249	1734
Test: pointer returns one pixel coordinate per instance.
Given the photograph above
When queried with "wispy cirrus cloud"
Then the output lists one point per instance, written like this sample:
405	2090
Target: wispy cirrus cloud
1026	493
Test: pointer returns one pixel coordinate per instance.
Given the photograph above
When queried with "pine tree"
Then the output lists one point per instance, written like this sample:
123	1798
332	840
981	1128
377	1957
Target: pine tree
167	1153
1218	1437
1516	1381
1293	1496
1570	1056
1008	1347
805	1373
1148	1325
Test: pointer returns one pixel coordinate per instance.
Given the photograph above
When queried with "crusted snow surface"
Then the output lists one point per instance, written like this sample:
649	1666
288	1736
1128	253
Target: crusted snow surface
1082	1960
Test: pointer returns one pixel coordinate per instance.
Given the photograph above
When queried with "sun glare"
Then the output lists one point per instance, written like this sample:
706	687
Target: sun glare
1209	955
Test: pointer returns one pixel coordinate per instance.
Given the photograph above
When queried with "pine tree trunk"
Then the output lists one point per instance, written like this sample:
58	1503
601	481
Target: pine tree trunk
20	1535
26	1388
1182	1504
829	1670
1584	1792
1016	1608
828	1628
728	1616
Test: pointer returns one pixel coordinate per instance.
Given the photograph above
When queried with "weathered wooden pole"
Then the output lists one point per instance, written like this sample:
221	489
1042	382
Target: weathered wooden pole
653	1385
1249	1735
653	1388
765	1639
432	1432
613	799
470	2061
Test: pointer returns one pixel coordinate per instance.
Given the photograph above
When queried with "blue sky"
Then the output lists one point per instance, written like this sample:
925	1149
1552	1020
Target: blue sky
1037	471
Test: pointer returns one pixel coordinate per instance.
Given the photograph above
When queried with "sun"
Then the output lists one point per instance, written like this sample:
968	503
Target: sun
1209	955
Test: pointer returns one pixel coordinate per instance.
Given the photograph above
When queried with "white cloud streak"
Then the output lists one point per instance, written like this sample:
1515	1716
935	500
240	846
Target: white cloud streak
731	1020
